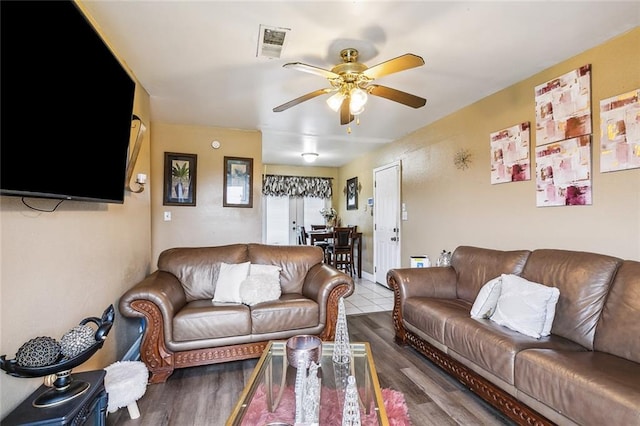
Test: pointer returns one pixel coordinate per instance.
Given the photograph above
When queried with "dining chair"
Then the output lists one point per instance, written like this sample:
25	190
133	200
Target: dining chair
341	249
302	236
321	242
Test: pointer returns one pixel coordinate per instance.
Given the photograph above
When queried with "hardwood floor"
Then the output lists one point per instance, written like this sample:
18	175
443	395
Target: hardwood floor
206	395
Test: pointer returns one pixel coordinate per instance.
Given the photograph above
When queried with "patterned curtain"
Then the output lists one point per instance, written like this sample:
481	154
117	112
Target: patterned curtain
296	186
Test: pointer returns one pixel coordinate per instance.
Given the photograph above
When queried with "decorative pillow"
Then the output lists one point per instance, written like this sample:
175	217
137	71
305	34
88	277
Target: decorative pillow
485	304
525	306
229	280
271	270
259	288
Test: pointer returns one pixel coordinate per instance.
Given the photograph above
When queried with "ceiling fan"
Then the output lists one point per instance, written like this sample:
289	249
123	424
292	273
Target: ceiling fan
351	83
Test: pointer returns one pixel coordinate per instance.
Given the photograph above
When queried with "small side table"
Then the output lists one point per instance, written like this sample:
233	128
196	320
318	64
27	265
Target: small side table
89	408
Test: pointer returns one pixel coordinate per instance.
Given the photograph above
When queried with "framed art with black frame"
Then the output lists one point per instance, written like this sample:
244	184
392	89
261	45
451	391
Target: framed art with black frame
179	179
238	177
352	194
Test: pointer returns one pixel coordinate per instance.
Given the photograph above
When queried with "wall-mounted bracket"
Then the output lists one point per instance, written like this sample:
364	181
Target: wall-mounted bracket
136	123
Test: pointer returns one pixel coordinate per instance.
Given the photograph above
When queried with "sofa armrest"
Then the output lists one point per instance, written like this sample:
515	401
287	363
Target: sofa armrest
439	282
161	289
326	285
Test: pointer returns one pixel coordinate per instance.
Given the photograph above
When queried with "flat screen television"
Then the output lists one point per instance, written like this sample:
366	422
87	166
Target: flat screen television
66	106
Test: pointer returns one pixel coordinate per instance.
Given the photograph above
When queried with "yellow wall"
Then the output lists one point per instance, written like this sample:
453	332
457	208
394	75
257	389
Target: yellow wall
448	207
208	223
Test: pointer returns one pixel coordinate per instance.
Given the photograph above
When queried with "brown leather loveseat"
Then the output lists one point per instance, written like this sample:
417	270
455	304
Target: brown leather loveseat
585	372
184	327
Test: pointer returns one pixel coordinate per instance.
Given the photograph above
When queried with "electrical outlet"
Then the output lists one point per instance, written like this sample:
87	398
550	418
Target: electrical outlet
167	216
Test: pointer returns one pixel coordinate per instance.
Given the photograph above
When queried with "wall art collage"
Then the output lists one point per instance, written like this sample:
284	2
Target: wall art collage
563	130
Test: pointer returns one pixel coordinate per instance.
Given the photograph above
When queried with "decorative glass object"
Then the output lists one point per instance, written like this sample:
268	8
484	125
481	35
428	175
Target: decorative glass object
351	411
307	394
444	259
303	347
342	346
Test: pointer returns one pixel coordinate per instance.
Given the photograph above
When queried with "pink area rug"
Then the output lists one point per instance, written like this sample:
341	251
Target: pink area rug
330	414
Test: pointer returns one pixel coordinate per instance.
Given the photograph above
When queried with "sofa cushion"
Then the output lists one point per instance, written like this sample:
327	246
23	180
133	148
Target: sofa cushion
485	304
526	307
475	266
583	280
258	288
590	388
197	267
295	262
429	315
618	330
494	347
228	283
203	319
291	311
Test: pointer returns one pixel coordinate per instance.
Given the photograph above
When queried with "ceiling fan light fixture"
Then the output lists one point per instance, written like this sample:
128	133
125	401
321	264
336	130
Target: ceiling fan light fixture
309	157
358	98
335	101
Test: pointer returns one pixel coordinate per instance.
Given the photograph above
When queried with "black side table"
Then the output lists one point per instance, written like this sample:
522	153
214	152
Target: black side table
90	408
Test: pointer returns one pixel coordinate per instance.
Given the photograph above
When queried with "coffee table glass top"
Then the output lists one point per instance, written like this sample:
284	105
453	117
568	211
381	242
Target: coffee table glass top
269	395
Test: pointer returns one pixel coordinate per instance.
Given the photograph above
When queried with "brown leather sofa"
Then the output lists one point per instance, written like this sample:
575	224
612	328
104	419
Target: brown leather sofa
586	372
184	327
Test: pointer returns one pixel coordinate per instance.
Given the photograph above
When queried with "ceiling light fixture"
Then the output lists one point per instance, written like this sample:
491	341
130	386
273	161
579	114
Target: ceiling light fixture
310	157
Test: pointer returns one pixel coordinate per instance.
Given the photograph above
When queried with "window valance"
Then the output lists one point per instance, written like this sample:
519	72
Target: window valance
296	186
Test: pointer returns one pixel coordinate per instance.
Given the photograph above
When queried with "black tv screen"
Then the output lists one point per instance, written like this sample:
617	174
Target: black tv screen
66	106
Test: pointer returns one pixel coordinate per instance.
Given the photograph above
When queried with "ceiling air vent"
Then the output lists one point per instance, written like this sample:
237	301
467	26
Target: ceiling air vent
271	41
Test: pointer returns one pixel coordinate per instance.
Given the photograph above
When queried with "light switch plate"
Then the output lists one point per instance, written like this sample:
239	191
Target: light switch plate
167	216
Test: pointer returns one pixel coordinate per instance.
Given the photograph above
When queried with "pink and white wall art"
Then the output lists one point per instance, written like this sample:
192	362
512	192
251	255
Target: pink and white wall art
563	107
620	132
510	161
563	173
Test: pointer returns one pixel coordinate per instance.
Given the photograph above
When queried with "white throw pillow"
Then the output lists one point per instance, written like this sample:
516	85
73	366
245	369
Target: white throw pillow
229	280
257	288
485	304
525	306
271	270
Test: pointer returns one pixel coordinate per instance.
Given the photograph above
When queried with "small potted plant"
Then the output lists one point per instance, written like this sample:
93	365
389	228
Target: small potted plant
330	215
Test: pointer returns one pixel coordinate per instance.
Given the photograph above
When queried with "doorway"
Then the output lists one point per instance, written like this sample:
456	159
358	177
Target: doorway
284	215
386	220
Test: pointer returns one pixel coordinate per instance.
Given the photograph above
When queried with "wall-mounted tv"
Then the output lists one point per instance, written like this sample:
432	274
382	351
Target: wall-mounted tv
66	106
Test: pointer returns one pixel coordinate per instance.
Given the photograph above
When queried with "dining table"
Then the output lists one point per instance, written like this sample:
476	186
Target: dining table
327	234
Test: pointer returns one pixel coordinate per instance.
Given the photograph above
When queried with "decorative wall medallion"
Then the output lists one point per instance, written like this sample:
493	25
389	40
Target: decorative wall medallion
462	159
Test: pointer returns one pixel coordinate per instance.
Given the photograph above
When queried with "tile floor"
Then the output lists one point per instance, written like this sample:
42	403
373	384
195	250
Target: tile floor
368	297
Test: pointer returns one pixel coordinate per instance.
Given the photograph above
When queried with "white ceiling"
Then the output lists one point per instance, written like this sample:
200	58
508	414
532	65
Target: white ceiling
198	60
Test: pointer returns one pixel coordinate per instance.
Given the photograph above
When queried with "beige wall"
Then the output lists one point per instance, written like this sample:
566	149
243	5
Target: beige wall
61	267
208	223
448	207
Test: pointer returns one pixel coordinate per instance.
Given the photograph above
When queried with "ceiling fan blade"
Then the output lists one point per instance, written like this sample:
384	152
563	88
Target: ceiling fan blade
345	113
391	66
312	70
301	99
396	95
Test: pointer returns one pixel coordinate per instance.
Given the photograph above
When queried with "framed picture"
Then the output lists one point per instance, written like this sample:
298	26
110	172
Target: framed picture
238	178
179	179
352	194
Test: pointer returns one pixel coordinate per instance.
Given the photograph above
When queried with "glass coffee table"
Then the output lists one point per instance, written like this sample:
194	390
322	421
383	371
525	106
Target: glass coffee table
269	396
